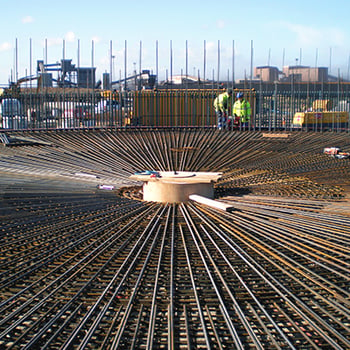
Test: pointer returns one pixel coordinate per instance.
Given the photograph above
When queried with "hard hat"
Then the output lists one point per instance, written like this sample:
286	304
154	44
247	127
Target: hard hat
239	95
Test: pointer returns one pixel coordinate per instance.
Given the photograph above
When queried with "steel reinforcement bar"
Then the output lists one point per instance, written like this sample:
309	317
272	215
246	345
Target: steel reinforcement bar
173	276
82	268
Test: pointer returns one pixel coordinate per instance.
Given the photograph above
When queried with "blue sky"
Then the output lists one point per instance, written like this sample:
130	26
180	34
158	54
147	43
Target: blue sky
281	32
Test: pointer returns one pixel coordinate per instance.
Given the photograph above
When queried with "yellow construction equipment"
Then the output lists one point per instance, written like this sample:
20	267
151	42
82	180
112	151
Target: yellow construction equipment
321	117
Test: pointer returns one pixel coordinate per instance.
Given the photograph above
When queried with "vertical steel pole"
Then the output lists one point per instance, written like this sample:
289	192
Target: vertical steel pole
186	64
218	74
78	59
125	72
28	115
186	89
92	70
111	62
140	59
30	61
45	52
251	64
16	60
92	63
92	53
204	60
125	64
63	49
171	63
156	85
251	76
157	68
233	64
171	85
78	53
274	126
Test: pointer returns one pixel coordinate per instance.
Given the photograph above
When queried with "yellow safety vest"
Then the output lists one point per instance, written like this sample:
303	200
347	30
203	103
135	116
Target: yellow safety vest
242	109
221	102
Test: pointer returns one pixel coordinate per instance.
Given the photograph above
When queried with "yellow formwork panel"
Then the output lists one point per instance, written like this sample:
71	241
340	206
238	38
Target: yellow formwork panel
178	107
174	108
171	107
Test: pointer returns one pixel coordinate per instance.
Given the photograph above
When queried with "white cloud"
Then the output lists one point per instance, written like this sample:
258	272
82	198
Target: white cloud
27	19
315	37
211	45
5	47
220	24
70	37
224	49
54	41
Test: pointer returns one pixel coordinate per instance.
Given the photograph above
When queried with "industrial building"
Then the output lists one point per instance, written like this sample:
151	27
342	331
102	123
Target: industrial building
305	74
269	74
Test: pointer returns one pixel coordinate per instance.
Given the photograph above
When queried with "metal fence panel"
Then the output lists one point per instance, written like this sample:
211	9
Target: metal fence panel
272	109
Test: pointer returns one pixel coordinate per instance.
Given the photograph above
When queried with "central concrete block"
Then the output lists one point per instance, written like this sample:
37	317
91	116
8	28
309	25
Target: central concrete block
167	192
176	187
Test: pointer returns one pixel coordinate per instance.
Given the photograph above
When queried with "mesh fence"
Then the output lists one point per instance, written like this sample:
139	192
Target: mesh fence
272	109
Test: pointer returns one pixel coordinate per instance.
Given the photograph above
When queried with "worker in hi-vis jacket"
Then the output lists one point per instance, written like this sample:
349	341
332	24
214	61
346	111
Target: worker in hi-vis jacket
221	105
242	109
